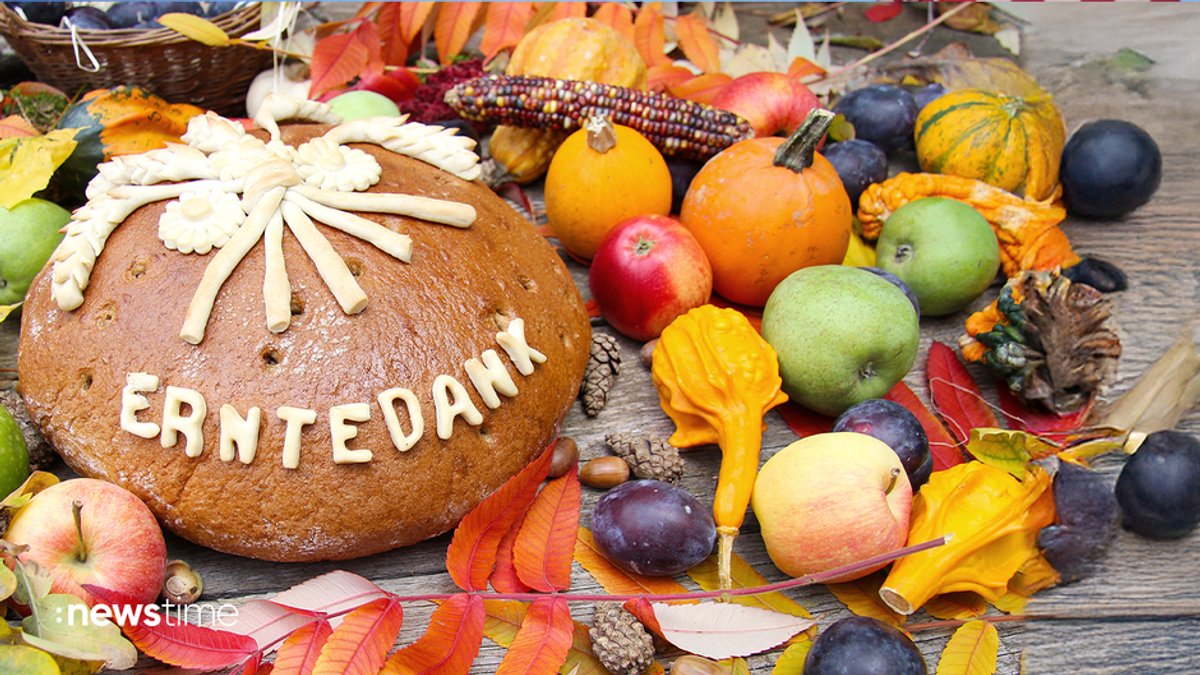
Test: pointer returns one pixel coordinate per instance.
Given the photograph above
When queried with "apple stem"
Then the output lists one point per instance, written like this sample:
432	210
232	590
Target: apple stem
892	484
77	511
796	153
725	556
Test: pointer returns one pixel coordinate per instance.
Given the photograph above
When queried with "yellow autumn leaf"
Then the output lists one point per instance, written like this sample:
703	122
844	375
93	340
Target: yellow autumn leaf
861	597
196	28
971	650
1007	449
955	606
23	660
5	310
791	661
28	163
706	576
1011	603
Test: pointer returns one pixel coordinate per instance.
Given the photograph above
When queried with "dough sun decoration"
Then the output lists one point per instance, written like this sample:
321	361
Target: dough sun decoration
279	186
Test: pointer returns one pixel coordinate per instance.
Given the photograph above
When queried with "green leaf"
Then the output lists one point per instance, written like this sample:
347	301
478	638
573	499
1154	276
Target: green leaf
62	624
196	28
8	582
27	164
23	660
1129	59
33	583
1008	450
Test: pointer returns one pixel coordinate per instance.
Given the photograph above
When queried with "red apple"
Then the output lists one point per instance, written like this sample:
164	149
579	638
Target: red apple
773	103
648	270
831	500
116	543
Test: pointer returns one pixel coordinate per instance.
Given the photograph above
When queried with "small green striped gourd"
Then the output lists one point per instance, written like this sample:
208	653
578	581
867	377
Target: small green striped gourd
1014	143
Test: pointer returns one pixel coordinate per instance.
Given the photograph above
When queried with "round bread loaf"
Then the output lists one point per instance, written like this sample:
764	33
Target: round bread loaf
354	489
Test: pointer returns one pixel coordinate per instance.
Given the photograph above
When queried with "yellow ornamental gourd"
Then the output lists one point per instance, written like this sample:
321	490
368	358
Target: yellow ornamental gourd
601	175
570	49
1012	142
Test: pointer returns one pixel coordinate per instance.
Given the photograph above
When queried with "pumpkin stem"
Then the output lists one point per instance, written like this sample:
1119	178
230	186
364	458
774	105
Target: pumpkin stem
601	136
796	153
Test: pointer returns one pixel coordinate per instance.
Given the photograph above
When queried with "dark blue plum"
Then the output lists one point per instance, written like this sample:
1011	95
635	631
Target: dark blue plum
858	163
1109	168
893	424
923	95
1158	489
653	528
87	18
49	13
898	283
882	114
861	645
130	14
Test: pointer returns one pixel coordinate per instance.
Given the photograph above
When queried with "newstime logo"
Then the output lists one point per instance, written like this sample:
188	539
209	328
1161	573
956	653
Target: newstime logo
168	613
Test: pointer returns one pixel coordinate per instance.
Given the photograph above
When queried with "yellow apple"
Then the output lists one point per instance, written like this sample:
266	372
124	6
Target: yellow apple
832	500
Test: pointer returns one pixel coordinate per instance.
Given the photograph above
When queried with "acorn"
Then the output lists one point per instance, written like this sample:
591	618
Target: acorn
183	584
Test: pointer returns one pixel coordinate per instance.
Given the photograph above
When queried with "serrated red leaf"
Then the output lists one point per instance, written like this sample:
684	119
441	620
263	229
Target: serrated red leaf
453	27
172	640
545	545
472	551
697	43
650	38
1048	424
942	445
450	644
393	45
336	60
955	394
541	644
880	13
616	16
802	421
361	642
368	34
504	27
701	88
299	652
504	577
643	610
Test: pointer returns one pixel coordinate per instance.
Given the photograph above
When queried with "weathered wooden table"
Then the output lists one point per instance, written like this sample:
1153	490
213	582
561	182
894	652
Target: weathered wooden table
1140	611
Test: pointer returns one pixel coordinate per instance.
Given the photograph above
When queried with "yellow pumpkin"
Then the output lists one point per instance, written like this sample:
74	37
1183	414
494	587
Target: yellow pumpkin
568	49
601	175
1014	143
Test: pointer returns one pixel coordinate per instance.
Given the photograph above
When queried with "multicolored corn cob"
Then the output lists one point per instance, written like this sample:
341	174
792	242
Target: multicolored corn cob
675	126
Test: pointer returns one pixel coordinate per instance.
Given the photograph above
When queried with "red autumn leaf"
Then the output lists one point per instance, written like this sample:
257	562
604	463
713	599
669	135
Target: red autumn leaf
665	76
650	37
644	611
541	644
504	27
368	34
361	642
613	579
451	643
880	13
336	60
1023	418
393	47
955	394
172	640
697	43
942	445
299	652
453	27
472	552
545	545
701	89
15	126
617	16
801	68
505	578
804	422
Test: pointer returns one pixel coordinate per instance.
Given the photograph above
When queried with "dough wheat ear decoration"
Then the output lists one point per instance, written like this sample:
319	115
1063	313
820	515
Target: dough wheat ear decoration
279	186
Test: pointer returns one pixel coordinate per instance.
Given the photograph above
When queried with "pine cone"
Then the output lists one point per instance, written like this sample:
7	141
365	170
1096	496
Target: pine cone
41	455
648	456
604	364
620	641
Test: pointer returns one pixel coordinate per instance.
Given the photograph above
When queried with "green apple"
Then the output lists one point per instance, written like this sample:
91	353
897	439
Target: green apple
843	335
14	454
943	249
29	233
360	104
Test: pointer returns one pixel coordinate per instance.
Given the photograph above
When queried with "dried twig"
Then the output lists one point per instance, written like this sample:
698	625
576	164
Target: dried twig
895	45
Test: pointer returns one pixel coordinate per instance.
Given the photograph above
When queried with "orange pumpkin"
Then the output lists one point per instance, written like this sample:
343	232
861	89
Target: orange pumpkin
765	207
601	175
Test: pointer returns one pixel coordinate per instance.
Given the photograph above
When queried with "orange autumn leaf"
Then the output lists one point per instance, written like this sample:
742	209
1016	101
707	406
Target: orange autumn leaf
554	11
663	77
298	653
15	126
702	88
472	552
453	27
801	68
955	393
617	16
450	644
361	642
616	581
336	60
545	545
543	640
368	34
942	445
861	597
643	611
395	33
956	606
504	577
650	38
972	650
504	618
504	27
697	43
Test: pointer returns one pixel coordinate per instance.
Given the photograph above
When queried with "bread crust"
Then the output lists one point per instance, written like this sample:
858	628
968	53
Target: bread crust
425	318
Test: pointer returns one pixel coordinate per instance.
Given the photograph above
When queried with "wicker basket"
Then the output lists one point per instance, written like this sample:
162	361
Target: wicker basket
172	66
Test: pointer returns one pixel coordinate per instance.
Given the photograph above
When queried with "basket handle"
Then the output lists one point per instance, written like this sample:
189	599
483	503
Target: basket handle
78	44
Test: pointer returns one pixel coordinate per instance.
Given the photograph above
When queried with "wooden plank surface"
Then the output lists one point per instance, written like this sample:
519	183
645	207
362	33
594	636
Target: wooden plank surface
1139	611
